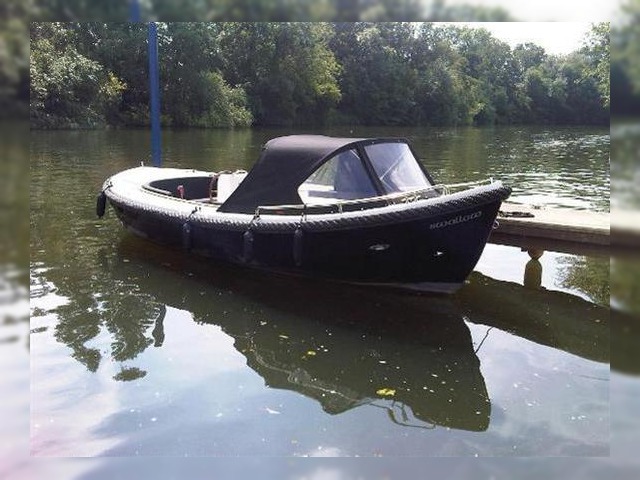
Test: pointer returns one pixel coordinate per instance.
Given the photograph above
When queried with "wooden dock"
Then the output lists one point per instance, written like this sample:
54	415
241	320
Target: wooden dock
560	230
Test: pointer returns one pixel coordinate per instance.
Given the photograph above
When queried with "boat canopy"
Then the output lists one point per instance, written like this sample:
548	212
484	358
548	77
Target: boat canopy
298	169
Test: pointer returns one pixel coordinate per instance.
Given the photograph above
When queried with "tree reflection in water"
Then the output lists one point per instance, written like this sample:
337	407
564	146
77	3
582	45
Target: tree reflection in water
125	314
589	275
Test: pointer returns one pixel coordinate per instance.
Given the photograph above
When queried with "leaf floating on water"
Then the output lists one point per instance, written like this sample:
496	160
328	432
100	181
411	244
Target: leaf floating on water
386	392
129	374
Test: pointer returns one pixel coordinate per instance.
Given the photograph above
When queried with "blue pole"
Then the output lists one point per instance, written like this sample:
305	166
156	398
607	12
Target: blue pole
134	11
154	91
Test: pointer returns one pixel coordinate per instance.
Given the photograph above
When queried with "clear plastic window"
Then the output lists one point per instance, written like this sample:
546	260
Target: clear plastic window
396	167
343	177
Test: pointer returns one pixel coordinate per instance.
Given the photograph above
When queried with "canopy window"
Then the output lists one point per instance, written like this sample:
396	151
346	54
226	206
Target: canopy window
396	167
342	177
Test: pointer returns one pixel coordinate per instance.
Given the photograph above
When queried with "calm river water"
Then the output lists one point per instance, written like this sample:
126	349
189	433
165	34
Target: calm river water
137	350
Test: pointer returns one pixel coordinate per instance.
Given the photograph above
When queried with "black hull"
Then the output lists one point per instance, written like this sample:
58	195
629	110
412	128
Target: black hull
430	252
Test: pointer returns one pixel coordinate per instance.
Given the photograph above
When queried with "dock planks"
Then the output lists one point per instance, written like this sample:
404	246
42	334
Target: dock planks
554	229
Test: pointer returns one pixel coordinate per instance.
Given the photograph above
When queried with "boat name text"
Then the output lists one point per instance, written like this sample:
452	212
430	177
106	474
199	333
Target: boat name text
456	220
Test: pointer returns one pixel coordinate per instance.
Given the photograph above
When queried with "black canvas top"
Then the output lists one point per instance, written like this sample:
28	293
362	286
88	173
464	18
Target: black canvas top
284	164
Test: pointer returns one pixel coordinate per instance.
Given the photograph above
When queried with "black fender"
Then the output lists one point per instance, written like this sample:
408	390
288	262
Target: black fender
101	204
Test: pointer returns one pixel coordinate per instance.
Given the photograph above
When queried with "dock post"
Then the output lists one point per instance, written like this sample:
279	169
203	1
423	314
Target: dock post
535	253
533	274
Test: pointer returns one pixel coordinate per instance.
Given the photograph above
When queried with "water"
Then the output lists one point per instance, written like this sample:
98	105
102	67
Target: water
138	350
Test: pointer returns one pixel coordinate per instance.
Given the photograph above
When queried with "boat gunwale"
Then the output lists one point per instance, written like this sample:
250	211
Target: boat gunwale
393	198
206	215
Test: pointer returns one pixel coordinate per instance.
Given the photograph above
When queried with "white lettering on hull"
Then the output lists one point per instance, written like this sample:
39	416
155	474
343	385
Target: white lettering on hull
456	220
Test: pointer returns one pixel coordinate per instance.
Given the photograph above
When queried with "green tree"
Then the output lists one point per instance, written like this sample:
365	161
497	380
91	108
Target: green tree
223	106
586	100
235	74
193	91
67	89
121	48
287	70
528	55
491	63
379	82
596	50
445	95
188	53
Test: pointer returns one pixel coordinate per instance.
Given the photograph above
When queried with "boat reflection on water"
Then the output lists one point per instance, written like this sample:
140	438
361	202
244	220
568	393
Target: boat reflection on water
412	356
345	352
342	346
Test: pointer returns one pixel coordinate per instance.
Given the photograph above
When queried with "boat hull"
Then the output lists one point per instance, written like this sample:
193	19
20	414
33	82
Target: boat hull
425	249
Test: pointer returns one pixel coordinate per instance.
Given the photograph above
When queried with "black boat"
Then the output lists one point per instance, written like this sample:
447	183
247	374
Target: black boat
355	210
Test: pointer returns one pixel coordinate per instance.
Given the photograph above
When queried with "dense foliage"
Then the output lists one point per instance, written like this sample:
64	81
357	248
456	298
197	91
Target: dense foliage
239	74
68	89
15	16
